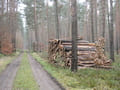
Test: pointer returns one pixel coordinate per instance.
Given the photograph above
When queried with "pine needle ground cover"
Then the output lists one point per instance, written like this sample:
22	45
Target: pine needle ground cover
85	79
24	79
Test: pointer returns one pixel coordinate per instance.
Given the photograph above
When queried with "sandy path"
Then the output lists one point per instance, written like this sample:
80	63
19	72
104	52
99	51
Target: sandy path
43	79
7	76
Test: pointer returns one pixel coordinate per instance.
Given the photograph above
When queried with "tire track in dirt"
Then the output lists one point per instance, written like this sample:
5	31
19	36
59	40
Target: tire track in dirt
43	79
8	75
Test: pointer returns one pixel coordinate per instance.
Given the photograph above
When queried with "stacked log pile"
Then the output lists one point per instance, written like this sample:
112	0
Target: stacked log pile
101	60
89	54
55	49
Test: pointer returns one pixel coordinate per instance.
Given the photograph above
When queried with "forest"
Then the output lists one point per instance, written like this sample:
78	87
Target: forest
60	44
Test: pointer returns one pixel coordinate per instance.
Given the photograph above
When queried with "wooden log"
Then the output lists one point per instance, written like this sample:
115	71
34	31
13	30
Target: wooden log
86	65
105	67
86	53
77	46
84	58
79	49
83	53
69	41
86	61
80	44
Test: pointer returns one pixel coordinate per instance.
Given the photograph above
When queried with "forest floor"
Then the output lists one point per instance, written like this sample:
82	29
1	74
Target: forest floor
84	79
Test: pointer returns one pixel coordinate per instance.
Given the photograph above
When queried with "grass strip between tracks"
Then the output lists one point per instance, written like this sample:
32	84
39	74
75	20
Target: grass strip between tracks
24	79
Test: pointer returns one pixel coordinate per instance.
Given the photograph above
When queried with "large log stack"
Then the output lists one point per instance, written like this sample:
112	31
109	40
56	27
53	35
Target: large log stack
89	54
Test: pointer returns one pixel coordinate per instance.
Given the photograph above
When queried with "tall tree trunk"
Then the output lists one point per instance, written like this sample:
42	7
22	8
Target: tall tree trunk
103	3
69	21
95	19
92	22
35	25
117	25
111	33
57	20
12	22
47	11
7	5
3	7
7	11
74	35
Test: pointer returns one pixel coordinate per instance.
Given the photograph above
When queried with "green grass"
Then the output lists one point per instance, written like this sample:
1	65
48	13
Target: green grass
24	79
85	79
44	55
1	55
5	60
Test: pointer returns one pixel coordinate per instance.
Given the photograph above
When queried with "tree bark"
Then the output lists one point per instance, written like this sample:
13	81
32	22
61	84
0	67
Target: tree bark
95	19
111	33
48	20
69	21
57	20
103	17
74	35
92	21
35	25
117	25
2	7
12	23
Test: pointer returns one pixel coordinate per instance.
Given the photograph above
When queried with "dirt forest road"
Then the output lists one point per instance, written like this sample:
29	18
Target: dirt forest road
44	81
7	77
